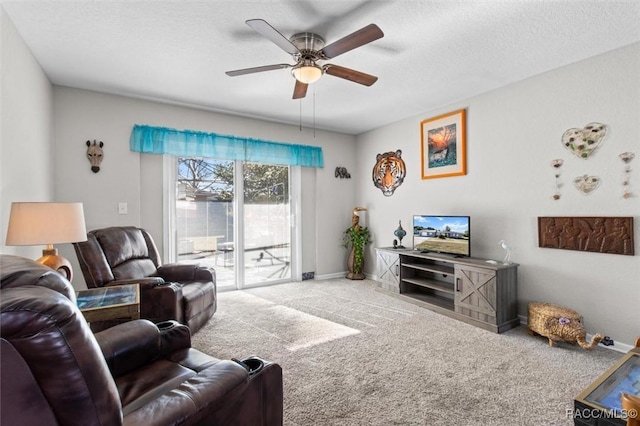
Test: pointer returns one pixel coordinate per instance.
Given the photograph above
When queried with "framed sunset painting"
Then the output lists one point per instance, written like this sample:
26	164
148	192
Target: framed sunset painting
443	140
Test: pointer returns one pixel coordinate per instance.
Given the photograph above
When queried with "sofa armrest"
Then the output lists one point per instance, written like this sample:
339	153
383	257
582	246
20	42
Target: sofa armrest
159	299
145	283
162	302
173	336
269	381
129	346
182	273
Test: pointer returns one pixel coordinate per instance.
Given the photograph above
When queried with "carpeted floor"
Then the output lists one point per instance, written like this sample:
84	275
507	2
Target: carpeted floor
354	356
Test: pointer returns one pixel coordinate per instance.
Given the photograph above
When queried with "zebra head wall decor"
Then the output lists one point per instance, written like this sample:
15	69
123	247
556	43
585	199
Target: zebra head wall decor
95	155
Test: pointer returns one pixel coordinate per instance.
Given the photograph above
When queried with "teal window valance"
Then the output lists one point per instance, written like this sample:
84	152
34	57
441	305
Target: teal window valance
191	143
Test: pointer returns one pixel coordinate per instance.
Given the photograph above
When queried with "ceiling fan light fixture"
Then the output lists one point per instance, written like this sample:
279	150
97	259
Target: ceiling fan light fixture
307	72
308	48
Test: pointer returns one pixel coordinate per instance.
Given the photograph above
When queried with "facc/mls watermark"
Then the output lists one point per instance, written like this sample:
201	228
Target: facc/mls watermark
594	413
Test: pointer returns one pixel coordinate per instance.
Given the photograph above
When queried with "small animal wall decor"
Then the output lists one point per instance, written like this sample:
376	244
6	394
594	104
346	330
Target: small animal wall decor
95	154
342	173
389	172
583	142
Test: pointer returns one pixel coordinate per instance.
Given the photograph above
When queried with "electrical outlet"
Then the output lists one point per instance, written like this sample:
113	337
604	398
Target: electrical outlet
122	208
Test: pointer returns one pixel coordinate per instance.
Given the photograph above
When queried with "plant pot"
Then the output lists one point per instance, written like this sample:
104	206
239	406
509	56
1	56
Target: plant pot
352	275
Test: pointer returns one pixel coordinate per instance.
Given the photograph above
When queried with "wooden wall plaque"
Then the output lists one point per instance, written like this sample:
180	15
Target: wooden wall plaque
595	234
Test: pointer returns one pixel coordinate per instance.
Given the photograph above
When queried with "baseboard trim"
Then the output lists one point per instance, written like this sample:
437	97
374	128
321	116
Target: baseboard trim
330	276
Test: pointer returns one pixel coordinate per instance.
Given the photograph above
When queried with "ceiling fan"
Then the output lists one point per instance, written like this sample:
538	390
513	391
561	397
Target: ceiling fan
307	49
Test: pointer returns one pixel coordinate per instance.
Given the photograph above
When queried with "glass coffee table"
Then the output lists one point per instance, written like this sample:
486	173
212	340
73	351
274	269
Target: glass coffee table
110	303
600	404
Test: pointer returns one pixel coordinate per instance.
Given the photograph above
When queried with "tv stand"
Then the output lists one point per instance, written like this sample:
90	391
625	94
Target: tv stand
465	288
444	255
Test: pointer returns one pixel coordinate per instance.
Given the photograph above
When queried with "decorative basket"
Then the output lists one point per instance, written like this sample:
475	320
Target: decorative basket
558	323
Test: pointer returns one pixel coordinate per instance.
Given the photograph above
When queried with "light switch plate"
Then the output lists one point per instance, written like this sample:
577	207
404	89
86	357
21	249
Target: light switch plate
122	208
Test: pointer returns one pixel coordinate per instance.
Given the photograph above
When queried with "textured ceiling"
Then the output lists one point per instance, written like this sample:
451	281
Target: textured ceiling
433	52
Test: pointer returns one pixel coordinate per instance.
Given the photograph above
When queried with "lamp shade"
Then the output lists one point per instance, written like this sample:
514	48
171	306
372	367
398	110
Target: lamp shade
45	223
307	73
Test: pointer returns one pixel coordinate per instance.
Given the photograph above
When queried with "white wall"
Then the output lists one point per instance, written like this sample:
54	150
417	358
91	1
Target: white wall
513	133
26	135
136	179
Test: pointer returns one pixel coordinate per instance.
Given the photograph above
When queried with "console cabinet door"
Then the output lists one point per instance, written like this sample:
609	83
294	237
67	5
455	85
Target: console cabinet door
388	270
475	293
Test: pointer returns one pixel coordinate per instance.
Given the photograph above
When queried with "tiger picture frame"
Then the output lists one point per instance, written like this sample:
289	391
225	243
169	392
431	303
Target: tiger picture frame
443	145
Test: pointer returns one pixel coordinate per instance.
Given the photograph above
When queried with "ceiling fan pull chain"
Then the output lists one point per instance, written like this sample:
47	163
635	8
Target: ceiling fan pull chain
300	103
314	112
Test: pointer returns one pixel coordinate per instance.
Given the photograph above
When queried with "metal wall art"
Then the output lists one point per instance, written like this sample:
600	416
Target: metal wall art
389	172
626	158
593	234
583	142
586	184
556	164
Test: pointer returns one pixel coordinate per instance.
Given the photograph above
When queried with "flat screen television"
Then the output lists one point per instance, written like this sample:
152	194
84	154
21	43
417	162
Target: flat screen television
442	234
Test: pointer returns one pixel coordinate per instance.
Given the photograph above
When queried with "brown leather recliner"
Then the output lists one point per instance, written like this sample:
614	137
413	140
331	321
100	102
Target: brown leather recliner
124	255
55	371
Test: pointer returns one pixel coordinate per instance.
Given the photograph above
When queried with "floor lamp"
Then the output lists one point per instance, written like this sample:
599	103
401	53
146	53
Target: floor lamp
37	223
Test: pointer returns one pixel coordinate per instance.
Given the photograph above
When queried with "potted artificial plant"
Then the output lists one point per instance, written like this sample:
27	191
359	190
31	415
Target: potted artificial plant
356	238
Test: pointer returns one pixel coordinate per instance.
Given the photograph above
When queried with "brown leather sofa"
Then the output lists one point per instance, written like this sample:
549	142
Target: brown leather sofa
124	255
54	371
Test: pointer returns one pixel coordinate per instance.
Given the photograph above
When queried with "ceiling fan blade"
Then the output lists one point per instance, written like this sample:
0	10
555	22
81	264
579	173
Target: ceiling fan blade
300	90
349	74
356	39
256	69
265	29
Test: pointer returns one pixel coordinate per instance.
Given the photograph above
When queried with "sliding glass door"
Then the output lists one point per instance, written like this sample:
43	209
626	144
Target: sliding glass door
246	239
266	225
